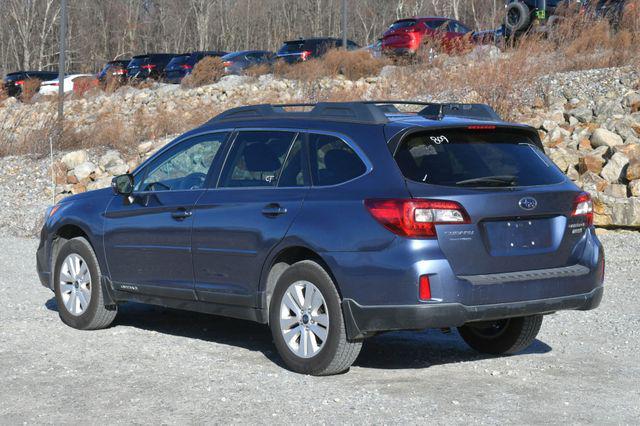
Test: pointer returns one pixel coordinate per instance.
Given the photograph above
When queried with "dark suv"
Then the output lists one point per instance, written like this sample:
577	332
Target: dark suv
332	225
151	65
300	50
182	65
13	81
116	69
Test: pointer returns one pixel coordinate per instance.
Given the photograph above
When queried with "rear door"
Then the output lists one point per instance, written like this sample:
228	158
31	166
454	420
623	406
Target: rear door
259	193
519	202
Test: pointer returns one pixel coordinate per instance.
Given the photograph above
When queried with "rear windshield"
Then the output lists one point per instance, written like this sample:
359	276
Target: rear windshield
179	60
485	158
435	24
138	61
403	24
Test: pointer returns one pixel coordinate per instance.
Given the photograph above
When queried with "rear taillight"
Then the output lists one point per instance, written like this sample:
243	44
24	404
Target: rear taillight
19	82
186	66
148	67
119	72
583	207
305	55
227	63
415	218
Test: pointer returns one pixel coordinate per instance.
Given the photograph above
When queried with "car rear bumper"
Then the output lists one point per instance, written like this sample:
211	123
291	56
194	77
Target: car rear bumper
362	321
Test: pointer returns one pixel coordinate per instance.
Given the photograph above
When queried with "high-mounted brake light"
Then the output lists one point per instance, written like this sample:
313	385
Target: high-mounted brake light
305	55
415	218
583	207
481	127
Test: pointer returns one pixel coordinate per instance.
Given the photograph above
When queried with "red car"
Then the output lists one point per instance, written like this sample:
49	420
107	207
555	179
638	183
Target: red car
406	36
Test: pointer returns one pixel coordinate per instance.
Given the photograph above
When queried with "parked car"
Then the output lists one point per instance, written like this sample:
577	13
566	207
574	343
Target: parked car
302	49
612	10
181	66
239	62
151	65
333	225
14	81
115	69
51	87
407	36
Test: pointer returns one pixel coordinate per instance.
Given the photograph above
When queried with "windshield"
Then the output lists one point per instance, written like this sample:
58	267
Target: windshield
486	158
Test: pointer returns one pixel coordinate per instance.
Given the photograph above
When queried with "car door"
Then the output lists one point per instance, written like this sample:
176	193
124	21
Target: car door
148	235
259	193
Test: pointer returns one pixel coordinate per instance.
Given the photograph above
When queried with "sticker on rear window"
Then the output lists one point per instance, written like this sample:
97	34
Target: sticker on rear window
439	139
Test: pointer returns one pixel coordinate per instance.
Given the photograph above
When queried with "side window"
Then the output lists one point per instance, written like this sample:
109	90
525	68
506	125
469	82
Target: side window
294	171
256	159
184	167
333	161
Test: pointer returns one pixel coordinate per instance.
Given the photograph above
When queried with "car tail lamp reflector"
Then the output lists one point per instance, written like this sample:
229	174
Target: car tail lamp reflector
305	55
424	288
19	82
148	67
415	218
583	207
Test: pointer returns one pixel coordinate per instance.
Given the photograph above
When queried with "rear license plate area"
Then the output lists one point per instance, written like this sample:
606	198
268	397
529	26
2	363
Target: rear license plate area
506	237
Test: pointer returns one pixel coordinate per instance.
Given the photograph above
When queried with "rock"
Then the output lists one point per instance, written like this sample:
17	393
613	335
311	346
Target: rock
603	137
629	150
583	115
231	82
614	168
590	163
633	169
619	211
78	188
110	159
145	147
616	190
592	183
388	71
634	188
549	125
606	108
71	178
74	158
631	99
564	157
118	169
84	170
99	184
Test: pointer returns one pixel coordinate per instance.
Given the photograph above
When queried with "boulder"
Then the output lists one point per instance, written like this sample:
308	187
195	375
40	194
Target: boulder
583	115
631	100
631	150
592	182
616	211
634	188
74	158
564	157
590	163
604	137
633	169
84	170
118	169
616	190
614	168
607	108
110	159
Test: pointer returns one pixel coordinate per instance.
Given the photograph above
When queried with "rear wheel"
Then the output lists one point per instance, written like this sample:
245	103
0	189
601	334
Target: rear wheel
506	336
518	17
306	322
78	289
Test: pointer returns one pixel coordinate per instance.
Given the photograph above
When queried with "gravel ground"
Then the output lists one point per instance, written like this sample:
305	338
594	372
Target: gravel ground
163	366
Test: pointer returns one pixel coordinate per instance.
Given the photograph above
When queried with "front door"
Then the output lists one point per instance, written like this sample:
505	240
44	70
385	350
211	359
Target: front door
148	235
259	193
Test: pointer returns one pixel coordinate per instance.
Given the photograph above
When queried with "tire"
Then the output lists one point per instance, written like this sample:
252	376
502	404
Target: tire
517	17
502	337
73	307
335	353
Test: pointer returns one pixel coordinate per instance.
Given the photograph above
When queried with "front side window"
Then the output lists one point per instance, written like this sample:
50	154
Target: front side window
468	158
256	159
333	161
183	168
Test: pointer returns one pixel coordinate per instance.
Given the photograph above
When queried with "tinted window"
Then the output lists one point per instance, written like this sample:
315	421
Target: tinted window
402	24
333	161
456	27
292	47
137	62
177	61
256	159
184	167
435	24
293	173
458	157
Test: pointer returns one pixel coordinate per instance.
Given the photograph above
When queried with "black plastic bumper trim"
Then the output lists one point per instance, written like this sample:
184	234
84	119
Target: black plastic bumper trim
362	321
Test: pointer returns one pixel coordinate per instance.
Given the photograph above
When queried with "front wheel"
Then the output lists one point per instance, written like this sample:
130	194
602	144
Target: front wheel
502	337
77	287
306	322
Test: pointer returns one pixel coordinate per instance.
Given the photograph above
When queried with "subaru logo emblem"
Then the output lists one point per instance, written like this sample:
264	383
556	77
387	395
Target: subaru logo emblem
528	203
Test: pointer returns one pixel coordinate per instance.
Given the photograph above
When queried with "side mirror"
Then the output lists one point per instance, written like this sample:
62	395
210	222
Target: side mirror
122	185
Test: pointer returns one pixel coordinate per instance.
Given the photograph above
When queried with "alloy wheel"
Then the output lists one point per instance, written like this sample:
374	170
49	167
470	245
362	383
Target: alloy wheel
75	284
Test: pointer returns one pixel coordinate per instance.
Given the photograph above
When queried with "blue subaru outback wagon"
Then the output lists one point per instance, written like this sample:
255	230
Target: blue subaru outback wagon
332	224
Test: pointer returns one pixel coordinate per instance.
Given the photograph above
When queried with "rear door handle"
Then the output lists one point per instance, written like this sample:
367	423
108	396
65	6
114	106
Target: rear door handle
181	214
273	210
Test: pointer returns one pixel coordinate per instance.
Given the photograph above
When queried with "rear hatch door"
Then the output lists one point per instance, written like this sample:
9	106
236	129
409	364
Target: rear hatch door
519	203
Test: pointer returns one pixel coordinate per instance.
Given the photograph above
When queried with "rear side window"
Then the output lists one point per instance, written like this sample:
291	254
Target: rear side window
475	159
333	161
435	24
256	159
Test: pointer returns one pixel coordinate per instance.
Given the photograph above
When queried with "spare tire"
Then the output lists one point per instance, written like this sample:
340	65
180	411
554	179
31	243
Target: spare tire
518	17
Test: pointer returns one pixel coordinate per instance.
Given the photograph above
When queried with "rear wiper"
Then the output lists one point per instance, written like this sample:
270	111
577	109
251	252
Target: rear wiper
505	180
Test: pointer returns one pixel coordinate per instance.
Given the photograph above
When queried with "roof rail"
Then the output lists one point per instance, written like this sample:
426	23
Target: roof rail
371	112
